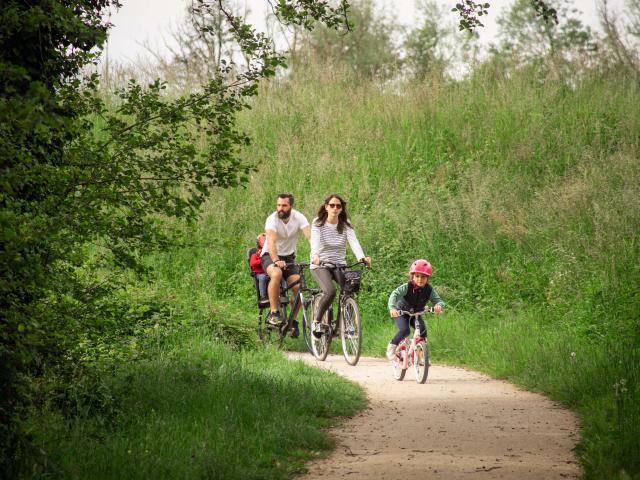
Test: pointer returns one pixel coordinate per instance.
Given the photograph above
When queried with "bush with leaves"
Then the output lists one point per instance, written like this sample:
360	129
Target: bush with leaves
85	187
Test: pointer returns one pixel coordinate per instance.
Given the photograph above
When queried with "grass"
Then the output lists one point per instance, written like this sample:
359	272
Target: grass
523	195
200	409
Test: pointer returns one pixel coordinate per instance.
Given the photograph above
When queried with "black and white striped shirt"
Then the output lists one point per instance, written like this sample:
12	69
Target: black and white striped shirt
331	246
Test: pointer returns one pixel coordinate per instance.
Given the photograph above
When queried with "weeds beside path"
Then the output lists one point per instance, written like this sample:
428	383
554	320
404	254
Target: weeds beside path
460	424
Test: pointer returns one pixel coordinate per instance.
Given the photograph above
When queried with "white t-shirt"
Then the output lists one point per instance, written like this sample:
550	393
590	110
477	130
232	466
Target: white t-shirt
287	232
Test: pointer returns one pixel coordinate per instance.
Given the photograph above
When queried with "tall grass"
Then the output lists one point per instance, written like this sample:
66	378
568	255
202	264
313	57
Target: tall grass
522	192
200	409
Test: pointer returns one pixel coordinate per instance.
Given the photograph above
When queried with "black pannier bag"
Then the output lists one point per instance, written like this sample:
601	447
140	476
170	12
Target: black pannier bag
352	281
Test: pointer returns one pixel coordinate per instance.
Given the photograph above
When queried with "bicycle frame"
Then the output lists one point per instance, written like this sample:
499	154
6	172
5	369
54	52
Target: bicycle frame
351	334
341	295
414	353
297	302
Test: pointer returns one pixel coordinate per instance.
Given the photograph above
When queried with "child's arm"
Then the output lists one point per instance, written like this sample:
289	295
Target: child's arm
436	300
395	297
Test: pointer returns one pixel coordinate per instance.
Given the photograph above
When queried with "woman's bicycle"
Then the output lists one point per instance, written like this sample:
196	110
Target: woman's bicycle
275	334
347	324
414	353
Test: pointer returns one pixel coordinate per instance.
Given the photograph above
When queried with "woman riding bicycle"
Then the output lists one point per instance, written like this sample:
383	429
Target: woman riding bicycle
412	296
330	232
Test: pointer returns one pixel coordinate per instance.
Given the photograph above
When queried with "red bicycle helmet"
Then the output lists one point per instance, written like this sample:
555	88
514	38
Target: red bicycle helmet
421	266
261	239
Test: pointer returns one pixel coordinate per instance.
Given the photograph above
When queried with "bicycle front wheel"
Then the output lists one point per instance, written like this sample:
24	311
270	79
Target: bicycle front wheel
421	362
398	365
307	318
351	331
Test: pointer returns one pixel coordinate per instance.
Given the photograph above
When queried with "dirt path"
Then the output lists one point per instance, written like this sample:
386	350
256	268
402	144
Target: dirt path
469	426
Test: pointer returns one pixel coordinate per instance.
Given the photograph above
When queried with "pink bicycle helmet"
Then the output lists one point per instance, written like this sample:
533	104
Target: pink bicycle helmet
421	266
261	239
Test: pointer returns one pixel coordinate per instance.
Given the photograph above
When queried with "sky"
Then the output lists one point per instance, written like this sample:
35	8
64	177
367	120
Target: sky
143	22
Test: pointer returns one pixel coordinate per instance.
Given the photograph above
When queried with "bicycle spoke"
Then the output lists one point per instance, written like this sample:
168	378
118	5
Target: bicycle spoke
351	331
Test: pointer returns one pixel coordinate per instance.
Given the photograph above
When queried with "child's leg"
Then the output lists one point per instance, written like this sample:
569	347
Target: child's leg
402	322
262	284
422	327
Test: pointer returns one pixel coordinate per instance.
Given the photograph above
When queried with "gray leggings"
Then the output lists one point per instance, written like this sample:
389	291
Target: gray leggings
325	277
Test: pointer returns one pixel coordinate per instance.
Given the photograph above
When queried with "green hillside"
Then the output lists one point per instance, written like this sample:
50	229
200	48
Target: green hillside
524	194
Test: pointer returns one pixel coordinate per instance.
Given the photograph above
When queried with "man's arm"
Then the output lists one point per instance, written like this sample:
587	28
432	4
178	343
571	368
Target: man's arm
272	241
306	231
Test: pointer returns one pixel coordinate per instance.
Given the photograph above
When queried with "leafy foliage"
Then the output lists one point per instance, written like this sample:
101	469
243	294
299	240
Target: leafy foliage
469	11
85	188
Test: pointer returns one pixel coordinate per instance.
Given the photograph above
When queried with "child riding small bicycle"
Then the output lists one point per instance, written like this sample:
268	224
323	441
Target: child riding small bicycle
412	296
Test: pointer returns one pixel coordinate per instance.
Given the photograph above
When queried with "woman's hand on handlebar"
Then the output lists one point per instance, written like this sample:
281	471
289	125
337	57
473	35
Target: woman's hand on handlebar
394	312
437	309
366	261
280	264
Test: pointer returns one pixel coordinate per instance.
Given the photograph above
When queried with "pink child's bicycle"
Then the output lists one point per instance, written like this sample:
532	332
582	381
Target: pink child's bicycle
414	353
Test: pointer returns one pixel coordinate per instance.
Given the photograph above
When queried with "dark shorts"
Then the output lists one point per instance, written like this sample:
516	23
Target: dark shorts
290	269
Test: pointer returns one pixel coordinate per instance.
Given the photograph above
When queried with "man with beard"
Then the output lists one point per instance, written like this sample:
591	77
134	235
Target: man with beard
279	252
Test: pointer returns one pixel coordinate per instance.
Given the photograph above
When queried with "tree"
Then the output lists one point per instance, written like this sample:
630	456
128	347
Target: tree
201	45
423	44
368	50
528	37
622	36
75	173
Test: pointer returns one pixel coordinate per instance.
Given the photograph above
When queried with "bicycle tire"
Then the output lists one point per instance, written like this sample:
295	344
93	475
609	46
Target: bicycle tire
322	344
270	335
421	362
398	362
307	318
351	331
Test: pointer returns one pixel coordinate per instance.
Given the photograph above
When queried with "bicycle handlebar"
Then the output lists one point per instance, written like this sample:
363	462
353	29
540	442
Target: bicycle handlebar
418	314
333	265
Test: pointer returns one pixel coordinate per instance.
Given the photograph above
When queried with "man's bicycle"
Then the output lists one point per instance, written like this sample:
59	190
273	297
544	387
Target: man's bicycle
347	323
275	334
414	353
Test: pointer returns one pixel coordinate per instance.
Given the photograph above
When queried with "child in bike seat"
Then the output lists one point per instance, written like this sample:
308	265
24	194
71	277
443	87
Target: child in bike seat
412	296
256	268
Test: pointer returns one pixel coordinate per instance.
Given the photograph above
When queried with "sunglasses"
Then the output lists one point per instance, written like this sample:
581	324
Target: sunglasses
334	205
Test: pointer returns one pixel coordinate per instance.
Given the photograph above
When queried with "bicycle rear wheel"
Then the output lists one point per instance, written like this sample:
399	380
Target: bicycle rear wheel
351	331
398	365
421	362
270	335
321	344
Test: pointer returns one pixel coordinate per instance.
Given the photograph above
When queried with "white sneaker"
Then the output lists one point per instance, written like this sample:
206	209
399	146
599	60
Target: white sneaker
391	351
316	329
